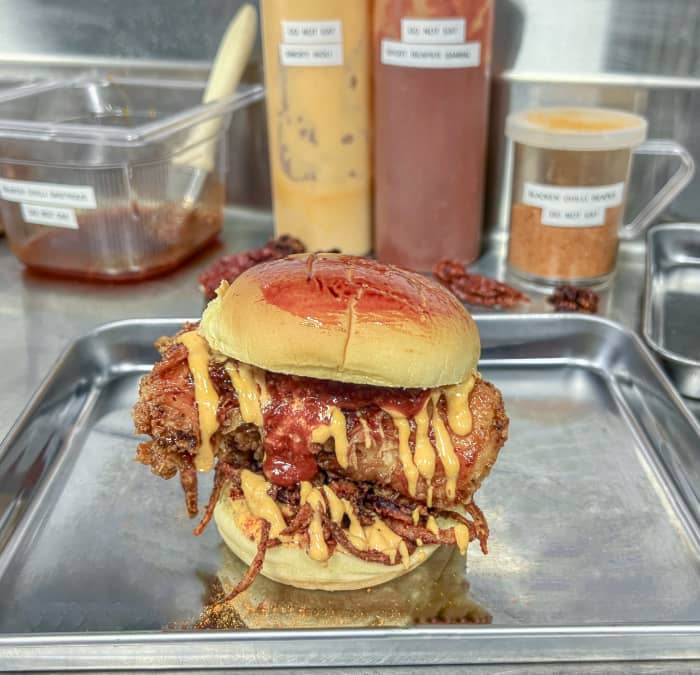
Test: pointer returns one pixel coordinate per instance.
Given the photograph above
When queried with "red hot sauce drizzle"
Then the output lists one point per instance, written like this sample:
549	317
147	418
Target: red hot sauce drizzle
298	405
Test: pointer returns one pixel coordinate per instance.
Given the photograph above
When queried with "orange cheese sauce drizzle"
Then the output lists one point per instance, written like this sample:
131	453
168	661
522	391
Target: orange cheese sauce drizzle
318	549
462	536
337	429
407	460
247	389
377	536
205	396
445	450
422	461
459	415
424	454
259	503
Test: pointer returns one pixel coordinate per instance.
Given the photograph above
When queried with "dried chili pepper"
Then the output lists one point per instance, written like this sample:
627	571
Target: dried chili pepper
231	266
568	298
476	289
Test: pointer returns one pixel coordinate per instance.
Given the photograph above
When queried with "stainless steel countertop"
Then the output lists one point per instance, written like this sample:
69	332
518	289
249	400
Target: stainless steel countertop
42	315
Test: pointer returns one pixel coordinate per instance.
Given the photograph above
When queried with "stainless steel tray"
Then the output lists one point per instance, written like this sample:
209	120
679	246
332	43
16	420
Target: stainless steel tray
593	505
671	320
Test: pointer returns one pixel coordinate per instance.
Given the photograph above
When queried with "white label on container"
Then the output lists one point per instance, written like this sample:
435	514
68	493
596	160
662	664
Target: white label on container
466	55
311	55
433	31
577	216
55	194
55	216
573	206
312	32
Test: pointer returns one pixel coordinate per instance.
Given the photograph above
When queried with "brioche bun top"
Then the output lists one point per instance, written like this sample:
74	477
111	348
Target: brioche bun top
344	318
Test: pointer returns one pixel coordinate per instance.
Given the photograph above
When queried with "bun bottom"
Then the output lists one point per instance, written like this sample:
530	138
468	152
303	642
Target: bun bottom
437	591
290	565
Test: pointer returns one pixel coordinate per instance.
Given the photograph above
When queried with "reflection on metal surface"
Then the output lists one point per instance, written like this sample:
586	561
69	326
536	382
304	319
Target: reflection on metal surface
437	592
160	29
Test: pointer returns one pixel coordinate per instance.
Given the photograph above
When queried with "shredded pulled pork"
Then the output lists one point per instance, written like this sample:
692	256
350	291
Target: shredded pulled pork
224	472
368	503
255	564
300	521
344	540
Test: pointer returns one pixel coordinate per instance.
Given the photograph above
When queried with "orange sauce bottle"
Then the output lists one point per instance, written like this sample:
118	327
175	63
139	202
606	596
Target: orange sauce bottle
317	77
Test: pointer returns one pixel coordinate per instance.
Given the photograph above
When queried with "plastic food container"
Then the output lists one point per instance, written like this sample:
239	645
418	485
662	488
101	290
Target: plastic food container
570	172
96	176
5	85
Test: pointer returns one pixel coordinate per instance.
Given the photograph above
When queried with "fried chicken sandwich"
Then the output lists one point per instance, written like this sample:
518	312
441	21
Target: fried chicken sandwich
338	402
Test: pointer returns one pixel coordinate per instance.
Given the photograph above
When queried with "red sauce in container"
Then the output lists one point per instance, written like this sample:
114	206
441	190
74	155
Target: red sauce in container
124	243
432	61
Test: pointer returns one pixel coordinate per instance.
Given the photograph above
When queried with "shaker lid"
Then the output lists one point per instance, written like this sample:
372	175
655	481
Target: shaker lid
576	128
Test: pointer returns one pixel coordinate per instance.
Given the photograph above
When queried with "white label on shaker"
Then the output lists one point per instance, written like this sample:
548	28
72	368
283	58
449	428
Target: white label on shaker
312	32
433	31
311	55
573	206
577	216
55	216
55	194
466	55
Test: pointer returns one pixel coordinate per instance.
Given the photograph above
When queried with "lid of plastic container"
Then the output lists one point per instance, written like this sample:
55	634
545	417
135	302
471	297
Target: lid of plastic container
576	128
139	110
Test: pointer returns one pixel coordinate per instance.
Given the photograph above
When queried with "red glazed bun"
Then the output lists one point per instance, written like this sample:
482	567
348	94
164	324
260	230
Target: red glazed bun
344	318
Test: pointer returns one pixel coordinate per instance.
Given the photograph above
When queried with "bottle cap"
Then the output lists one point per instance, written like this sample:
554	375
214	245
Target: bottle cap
576	128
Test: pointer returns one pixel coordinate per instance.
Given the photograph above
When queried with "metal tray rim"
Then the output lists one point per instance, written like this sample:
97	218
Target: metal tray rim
262	634
647	331
146	650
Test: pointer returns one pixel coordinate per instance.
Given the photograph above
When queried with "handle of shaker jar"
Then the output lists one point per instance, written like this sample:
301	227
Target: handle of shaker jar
663	198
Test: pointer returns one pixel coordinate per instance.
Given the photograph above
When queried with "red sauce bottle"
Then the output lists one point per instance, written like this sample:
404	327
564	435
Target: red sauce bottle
432	61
